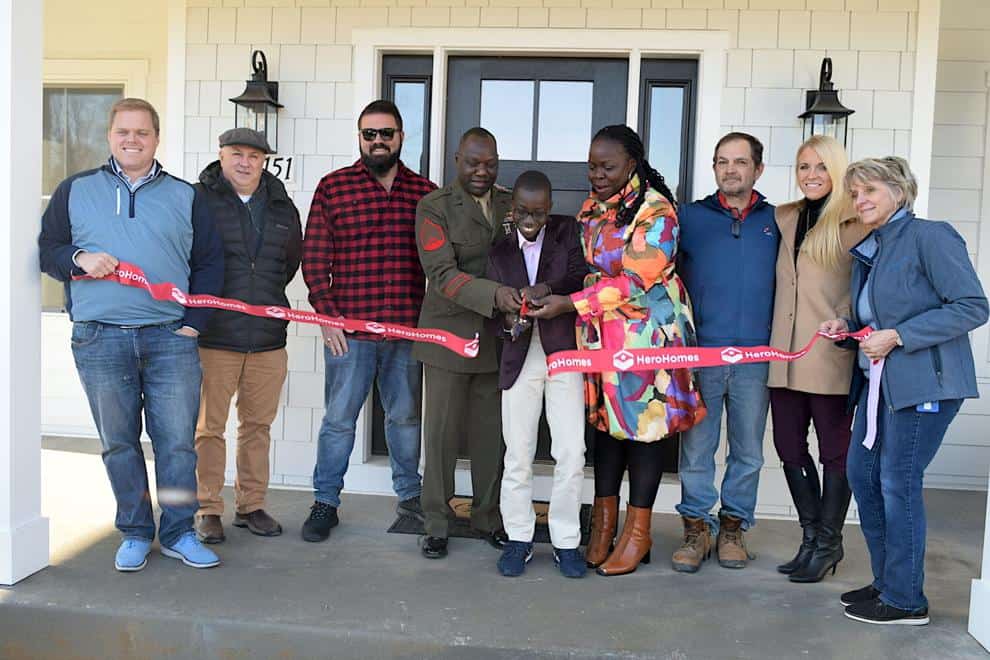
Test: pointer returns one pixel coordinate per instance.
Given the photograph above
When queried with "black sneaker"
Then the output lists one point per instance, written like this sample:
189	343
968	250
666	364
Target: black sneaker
869	592
411	508
497	538
322	518
434	547
879	612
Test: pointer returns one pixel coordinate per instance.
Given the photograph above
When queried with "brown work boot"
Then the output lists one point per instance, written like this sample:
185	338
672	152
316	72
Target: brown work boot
604	519
633	546
732	551
697	546
209	529
258	522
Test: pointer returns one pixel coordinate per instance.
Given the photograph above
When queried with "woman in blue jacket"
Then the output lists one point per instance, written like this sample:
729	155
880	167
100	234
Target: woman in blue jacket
914	284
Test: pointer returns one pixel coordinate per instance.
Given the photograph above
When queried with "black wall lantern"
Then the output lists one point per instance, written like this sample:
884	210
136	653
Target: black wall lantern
257	107
823	114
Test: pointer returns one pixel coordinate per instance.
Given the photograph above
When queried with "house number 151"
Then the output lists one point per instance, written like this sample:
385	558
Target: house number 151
280	167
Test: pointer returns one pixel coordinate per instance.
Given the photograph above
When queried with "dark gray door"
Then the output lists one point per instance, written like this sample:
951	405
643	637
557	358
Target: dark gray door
668	96
542	111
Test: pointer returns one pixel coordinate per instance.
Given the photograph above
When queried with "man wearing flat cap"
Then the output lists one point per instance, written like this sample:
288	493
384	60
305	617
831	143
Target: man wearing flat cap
241	354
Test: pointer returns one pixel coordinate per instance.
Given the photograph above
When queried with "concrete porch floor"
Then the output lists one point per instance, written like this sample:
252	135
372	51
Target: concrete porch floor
368	594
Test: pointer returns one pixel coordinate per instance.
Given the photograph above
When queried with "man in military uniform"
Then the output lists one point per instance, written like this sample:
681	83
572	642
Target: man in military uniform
455	228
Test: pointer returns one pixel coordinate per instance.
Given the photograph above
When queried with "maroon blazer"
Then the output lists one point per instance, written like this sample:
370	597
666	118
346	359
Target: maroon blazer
562	267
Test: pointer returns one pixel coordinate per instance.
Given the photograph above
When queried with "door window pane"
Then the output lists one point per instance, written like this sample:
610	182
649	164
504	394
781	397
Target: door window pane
410	98
507	111
74	138
665	130
87	111
565	121
53	140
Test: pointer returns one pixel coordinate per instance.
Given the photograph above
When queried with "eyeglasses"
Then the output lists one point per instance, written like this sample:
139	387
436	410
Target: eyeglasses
519	215
369	133
736	228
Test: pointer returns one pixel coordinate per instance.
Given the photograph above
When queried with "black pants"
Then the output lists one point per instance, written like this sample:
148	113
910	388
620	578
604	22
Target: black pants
793	412
644	460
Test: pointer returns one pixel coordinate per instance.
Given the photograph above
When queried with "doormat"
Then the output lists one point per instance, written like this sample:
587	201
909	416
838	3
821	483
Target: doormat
460	524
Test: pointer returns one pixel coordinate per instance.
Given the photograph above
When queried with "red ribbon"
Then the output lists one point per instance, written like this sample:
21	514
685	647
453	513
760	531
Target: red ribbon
132	275
652	359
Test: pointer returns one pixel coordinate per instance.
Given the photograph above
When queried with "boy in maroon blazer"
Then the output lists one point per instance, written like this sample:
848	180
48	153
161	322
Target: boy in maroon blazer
542	255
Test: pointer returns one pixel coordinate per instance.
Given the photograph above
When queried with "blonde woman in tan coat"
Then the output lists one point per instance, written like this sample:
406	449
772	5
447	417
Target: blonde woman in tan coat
813	270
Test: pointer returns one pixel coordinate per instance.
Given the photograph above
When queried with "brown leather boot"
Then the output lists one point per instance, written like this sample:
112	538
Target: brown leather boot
634	543
209	529
732	551
258	522
697	546
601	539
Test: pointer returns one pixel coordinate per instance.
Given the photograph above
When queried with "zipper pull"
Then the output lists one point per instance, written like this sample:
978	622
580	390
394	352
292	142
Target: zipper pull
118	199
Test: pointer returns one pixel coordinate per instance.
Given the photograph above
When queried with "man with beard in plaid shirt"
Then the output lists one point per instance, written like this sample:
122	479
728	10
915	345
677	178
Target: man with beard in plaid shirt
360	261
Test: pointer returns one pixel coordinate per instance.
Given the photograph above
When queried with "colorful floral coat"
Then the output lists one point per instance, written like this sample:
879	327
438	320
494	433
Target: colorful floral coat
634	299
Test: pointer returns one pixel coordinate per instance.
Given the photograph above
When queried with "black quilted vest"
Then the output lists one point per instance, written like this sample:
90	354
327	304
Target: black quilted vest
258	278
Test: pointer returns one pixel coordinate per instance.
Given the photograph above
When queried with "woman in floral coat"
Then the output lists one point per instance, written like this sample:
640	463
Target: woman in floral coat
632	299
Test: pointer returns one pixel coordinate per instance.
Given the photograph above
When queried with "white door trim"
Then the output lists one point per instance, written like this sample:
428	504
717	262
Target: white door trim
923	113
709	46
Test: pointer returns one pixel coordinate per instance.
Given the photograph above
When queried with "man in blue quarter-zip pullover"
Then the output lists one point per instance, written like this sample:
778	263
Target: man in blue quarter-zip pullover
133	352
727	259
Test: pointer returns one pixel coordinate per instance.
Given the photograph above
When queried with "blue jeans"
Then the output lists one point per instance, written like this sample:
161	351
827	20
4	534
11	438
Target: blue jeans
887	482
124	370
348	381
742	389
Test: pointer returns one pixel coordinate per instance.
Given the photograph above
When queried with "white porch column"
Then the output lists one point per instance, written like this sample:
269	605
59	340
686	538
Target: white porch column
23	532
979	596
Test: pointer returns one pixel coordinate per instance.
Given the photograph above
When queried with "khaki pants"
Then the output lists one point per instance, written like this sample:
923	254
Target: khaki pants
521	407
257	379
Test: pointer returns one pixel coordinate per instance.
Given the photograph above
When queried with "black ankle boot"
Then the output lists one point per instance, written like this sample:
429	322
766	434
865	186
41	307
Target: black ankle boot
806	493
828	547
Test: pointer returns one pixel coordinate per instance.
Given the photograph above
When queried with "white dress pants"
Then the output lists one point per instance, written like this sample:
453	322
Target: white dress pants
521	407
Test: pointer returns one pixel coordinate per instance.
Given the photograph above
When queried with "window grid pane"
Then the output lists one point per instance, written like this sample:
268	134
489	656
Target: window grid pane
507	111
53	140
87	111
565	121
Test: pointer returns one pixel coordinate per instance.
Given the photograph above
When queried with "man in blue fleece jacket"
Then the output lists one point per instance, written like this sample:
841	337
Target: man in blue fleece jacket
727	259
133	352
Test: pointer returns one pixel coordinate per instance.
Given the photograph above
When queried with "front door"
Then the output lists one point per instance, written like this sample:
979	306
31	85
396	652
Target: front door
542	111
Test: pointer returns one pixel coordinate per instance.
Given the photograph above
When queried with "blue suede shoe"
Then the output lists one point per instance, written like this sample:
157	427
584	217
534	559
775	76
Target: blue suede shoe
514	557
570	562
132	555
191	552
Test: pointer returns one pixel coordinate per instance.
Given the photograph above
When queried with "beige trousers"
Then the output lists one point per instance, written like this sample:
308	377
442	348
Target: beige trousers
521	407
257	380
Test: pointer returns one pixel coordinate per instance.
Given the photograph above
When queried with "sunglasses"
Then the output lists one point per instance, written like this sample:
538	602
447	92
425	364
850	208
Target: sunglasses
369	133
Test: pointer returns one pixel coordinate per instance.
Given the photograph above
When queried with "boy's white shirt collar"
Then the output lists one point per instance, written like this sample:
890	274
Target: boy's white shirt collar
531	252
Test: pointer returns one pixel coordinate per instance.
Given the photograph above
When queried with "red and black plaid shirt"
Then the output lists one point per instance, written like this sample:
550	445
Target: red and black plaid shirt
359	254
